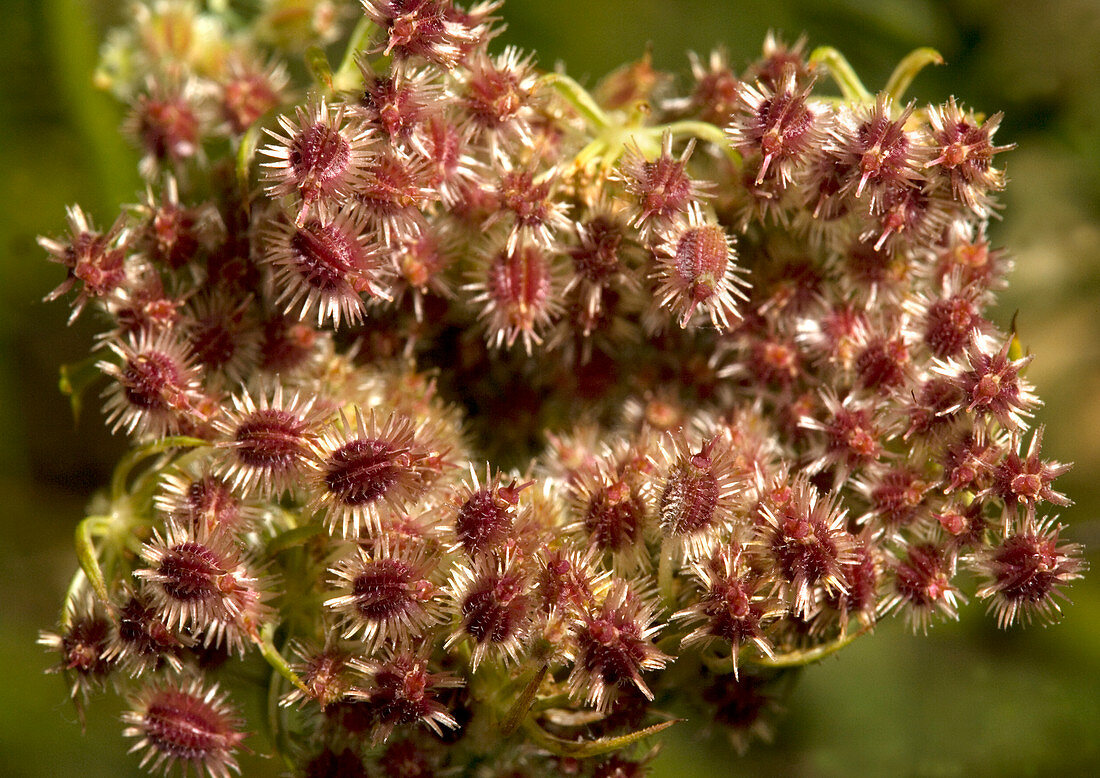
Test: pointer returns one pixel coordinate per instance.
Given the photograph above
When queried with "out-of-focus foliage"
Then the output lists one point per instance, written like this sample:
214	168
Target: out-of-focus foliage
966	701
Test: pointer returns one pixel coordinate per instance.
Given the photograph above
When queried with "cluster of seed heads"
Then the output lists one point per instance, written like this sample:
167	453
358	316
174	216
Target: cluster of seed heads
492	421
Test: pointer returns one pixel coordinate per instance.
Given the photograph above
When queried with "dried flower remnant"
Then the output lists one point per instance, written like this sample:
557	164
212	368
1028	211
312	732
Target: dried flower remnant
852	436
402	692
860	595
327	676
991	384
494	606
249	92
204	503
612	511
167	124
223	336
171	233
614	646
922	586
778	126
876	147
805	533
715	93
155	385
966	152
661	189
398	102
733	606
142	640
761	399
528	200
498	96
435	30
1027	570
1026	480
391	192
96	261
84	648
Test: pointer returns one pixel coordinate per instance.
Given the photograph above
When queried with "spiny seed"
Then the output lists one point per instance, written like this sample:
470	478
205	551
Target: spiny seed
147	376
319	152
702	256
496	610
269	438
190	571
362	471
381	590
483	521
324	254
614	517
949	325
519	282
689	500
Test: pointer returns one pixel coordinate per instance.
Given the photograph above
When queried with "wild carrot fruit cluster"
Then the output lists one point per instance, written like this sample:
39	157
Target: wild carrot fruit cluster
489	423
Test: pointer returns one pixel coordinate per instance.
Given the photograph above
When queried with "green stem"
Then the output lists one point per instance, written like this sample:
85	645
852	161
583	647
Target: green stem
578	97
265	641
703	131
907	70
664	574
843	73
127	464
546	703
246	152
280	737
809	655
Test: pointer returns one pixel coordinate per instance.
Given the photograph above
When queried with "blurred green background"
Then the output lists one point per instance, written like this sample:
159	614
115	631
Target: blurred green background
966	700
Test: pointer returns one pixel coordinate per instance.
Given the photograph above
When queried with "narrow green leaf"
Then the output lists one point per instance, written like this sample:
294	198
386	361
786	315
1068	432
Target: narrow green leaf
294	537
89	560
347	77
582	749
319	68
75	379
245	154
523	702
